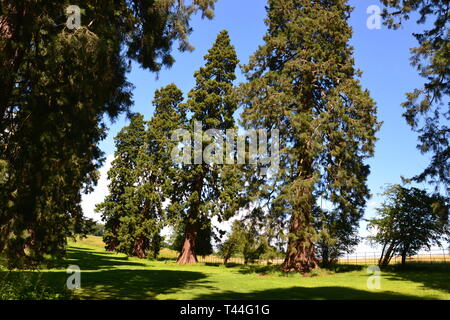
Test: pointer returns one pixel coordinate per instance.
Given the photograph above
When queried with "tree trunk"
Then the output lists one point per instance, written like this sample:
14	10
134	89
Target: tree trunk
325	256
404	253
403	258
384	261
188	255
382	254
111	246
300	255
139	248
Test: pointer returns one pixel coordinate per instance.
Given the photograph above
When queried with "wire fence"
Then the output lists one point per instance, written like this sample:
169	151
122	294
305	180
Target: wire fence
362	258
369	258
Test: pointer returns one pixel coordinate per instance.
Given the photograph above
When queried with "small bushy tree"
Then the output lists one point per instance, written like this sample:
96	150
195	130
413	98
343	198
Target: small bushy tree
409	220
244	239
338	235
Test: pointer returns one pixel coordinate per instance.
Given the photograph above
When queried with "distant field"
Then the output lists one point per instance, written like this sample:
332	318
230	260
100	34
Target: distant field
106	275
93	241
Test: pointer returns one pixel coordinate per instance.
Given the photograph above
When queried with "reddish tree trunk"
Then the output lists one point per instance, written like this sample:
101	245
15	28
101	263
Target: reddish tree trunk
188	255
139	248
300	255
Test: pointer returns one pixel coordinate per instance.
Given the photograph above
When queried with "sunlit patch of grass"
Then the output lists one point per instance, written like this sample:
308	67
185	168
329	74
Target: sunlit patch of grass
92	241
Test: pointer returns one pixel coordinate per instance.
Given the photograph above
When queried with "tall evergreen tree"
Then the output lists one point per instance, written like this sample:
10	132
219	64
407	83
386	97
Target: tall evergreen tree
211	189
158	175
426	110
57	88
302	81
142	177
120	205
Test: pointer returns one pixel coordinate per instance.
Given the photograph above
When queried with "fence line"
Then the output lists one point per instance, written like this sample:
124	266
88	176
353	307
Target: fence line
361	258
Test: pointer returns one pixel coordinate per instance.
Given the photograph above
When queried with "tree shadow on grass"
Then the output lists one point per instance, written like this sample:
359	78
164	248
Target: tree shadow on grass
118	284
303	293
137	284
105	275
213	264
88	259
341	268
260	269
433	276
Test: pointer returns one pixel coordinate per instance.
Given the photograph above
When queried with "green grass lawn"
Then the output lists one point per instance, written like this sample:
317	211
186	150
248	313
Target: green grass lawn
114	276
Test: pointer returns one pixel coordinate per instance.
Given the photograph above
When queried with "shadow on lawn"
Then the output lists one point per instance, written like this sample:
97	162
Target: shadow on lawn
302	293
137	284
89	259
118	284
101	278
433	276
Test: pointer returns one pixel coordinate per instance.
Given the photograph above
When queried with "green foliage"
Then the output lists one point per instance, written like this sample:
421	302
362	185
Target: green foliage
156	244
142	178
210	189
133	209
426	112
28	286
3	171
58	88
97	229
409	220
245	239
302	82
338	235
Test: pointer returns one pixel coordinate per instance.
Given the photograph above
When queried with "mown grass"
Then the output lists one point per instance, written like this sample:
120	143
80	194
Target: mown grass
108	275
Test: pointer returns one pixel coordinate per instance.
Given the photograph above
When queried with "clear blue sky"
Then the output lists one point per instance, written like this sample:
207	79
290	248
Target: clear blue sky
382	55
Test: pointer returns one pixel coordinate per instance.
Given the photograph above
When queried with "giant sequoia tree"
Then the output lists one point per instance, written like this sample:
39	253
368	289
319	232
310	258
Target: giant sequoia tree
57	86
302	81
142	178
428	108
210	188
119	207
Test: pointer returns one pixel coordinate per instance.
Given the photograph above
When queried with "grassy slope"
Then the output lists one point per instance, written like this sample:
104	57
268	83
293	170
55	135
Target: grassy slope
114	276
